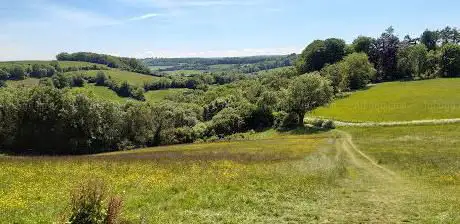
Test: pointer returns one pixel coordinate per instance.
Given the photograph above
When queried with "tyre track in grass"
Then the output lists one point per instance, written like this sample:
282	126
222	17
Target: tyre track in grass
370	192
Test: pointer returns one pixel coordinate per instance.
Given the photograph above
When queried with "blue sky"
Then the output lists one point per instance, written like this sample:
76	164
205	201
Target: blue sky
39	29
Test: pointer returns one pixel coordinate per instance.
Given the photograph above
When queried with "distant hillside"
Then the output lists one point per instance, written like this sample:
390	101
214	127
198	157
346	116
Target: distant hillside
123	63
235	64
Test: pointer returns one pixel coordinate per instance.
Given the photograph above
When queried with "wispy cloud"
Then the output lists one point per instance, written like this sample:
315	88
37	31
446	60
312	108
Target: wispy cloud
143	17
174	4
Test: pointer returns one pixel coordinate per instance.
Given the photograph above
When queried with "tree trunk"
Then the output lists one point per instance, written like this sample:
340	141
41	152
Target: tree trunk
301	115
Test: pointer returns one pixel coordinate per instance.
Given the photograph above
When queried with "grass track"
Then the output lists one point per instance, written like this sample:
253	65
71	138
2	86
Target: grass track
398	101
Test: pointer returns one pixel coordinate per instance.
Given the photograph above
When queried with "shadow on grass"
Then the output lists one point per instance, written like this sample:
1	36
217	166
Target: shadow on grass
306	130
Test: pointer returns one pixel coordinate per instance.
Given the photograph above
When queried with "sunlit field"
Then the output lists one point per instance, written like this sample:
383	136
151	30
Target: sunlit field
391	174
398	101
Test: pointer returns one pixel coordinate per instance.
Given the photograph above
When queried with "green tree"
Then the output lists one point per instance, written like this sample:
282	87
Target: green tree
18	73
4	75
387	46
364	44
336	74
308	92
358	71
429	39
450	60
319	53
412	61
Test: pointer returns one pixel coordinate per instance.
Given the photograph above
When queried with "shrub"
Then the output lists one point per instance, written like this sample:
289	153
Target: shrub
285	121
87	205
328	124
100	79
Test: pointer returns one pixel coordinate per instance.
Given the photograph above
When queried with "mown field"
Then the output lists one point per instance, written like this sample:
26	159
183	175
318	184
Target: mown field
398	101
121	76
381	175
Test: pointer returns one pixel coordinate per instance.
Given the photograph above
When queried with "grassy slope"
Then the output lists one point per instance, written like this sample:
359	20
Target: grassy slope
159	95
63	64
272	177
29	82
130	77
427	160
101	92
219	182
184	72
399	101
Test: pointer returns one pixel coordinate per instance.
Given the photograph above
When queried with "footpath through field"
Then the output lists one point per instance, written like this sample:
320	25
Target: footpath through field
396	123
371	193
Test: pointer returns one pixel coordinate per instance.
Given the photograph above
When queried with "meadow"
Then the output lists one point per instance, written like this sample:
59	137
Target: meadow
29	82
266	177
159	95
63	64
398	101
184	72
121	76
101	92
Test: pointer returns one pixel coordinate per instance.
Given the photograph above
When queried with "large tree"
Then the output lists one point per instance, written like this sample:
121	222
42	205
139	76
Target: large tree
308	92
387	48
412	61
429	39
319	53
358	72
450	60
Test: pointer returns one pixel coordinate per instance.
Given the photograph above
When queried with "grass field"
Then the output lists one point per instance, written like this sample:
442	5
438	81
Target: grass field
382	175
159	95
63	64
101	92
219	182
156	68
184	72
398	101
426	161
29	82
130	77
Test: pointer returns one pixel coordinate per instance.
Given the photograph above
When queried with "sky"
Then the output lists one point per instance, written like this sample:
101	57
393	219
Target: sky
40	29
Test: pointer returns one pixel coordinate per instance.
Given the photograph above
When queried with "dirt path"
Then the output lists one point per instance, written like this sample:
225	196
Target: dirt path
396	123
370	193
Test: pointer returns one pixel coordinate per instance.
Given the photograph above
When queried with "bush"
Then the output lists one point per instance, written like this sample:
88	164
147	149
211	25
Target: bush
285	121
328	124
100	79
87	205
4	75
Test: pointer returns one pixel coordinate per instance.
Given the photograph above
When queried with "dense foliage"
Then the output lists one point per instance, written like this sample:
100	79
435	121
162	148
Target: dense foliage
433	54
128	64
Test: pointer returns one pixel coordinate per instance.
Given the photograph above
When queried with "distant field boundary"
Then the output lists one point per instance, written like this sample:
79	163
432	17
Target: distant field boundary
396	123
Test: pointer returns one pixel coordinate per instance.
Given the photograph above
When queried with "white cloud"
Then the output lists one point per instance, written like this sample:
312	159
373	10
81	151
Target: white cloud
145	16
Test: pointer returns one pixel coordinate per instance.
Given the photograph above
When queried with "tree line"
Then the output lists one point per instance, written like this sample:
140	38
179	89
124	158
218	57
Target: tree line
56	121
433	54
123	63
211	61
47	120
12	71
